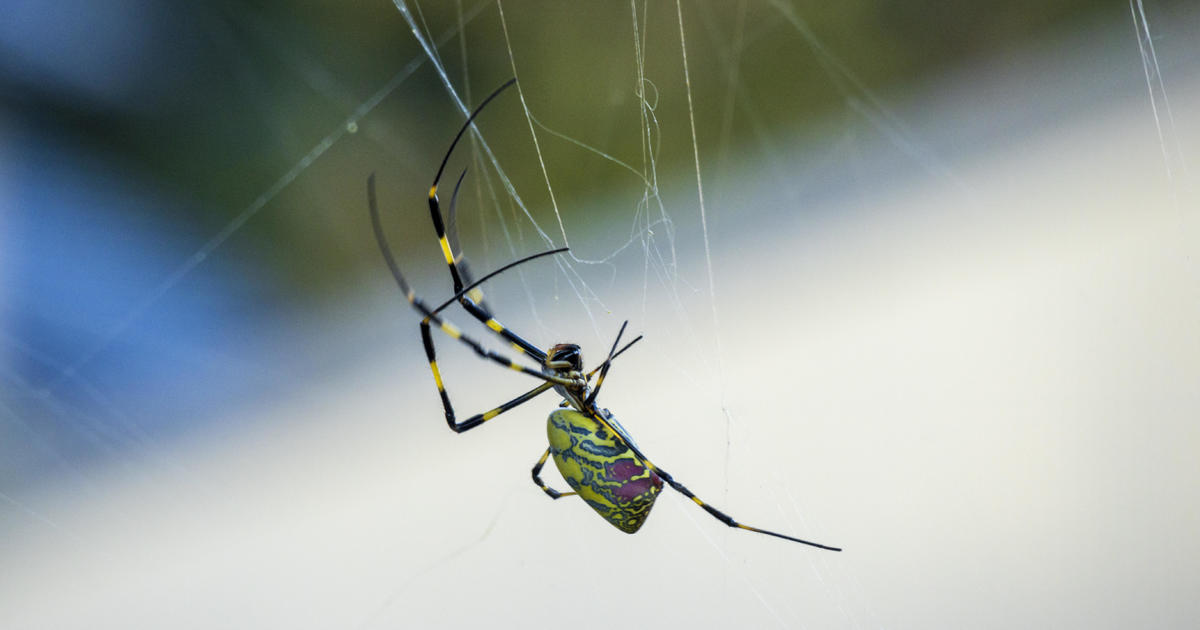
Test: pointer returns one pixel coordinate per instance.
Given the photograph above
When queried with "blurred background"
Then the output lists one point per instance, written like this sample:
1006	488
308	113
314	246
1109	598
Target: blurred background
917	279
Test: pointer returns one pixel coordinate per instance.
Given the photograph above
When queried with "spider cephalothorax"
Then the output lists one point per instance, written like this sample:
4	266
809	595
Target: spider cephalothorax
564	357
595	455
564	360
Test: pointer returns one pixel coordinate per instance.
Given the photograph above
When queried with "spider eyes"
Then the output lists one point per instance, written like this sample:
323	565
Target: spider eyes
568	353
572	358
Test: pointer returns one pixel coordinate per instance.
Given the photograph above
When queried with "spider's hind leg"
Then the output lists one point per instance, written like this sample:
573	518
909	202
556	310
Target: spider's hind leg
723	517
537	479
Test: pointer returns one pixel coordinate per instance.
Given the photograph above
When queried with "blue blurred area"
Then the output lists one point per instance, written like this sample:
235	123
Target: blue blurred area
84	241
91	55
86	236
131	134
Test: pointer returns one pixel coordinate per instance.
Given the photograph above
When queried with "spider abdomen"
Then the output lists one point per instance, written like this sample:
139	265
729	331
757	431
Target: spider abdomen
599	465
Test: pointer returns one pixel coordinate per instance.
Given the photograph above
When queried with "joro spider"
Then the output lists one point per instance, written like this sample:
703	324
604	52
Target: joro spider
594	453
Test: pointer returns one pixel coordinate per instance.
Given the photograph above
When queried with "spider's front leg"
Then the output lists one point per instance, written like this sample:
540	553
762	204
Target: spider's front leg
459	276
478	419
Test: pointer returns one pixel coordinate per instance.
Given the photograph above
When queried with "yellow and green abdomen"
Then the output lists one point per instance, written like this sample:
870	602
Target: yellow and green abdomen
599	465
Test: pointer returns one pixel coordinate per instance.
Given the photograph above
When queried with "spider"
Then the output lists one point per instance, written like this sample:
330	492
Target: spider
594	453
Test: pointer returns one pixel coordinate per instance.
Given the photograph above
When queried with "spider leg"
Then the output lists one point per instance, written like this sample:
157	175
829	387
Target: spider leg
480	418
607	362
457	275
454	333
537	479
612	358
460	257
431	317
718	514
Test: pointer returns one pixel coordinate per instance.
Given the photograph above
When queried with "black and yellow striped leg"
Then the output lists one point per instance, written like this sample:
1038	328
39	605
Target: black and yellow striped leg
723	517
464	268
430	317
439	227
607	363
455	333
431	355
480	418
468	304
612	358
537	479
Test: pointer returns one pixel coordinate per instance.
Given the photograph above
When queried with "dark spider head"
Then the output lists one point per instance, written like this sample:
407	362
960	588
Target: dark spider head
564	357
566	361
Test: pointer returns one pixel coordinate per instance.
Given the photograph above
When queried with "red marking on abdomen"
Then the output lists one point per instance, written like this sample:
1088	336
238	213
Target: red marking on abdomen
624	470
633	489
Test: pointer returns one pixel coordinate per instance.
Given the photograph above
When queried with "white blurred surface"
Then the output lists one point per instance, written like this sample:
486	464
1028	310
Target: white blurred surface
982	386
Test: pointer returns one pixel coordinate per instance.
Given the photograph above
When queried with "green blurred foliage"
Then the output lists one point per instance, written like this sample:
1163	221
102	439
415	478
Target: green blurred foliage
256	85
